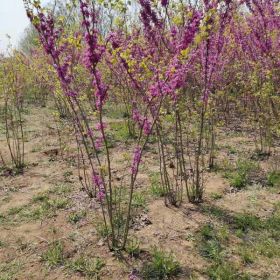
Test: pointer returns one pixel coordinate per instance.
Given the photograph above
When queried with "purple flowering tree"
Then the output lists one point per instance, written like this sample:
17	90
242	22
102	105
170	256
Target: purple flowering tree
115	197
190	49
257	38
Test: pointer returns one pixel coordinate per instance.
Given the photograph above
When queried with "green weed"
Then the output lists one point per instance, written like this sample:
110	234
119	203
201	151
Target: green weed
54	255
75	217
156	189
88	267
162	266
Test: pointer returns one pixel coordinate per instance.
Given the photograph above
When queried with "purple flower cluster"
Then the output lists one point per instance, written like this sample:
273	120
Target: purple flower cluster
90	132
147	14
115	39
98	143
49	34
71	94
142	121
149	19
101	89
136	160
191	29
94	52
164	3
98	182
175	79
100	126
49	37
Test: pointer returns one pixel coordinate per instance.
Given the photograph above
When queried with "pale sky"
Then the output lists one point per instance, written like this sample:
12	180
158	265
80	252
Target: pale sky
13	21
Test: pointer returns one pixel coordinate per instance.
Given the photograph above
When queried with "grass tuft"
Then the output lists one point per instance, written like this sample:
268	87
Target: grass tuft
54	254
162	266
75	217
88	267
156	189
273	179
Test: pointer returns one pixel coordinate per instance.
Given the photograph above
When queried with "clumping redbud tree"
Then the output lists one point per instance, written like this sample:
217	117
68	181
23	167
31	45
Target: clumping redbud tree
114	196
187	40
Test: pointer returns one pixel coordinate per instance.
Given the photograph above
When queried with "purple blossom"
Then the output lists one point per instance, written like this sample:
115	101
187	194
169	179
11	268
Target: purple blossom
100	126
205	96
136	160
98	182
143	122
100	89
49	35
101	194
147	127
190	30
164	3
98	143
147	13
71	94
136	116
90	132
115	40
149	19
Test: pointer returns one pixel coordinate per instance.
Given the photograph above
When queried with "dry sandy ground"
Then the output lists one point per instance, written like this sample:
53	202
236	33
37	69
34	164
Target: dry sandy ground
23	240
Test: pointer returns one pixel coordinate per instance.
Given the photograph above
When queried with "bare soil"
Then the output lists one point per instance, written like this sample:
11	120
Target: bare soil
23	240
